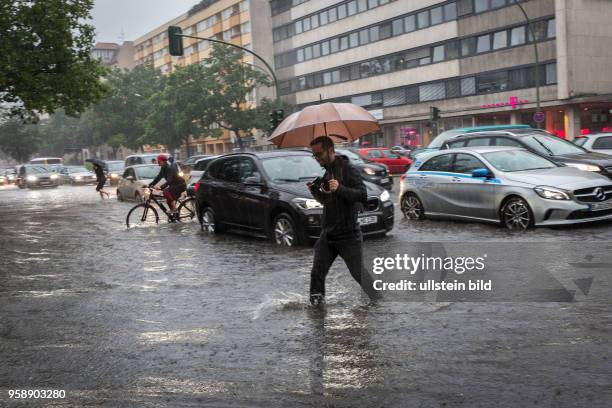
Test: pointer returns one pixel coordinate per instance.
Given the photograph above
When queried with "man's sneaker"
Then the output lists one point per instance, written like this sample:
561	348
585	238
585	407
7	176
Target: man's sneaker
317	299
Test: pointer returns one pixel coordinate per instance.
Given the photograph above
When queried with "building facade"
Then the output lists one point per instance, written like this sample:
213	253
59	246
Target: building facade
113	55
472	59
236	21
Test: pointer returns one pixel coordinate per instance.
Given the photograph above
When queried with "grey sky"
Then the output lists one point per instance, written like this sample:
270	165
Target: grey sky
134	17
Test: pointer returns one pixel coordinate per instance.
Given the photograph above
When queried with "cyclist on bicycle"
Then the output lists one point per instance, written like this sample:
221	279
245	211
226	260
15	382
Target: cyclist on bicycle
174	185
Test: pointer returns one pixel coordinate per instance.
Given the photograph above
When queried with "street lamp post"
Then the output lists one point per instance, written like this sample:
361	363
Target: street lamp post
537	56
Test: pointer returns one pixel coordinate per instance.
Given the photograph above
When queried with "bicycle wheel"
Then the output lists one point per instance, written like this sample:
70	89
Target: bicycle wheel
142	215
187	210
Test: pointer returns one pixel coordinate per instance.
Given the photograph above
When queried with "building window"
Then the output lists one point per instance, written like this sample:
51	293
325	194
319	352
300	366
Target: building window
341	11
316	51
398	27
323	18
483	43
385	31
345	74
552	28
517	36
492	82
438	53
372	3
352	7
468	86
325	48
498	3
432	92
327	78
334	45
300	55
540	28
335	76
244	5
436	16
409	24
246	27
394	97
314	21
480	5
453	88
468	46
306	24
298	26
423	19
362	100
333	15
412	94
500	40
307	53
551	74
362	5
374	33
450	12
354	40
452	50
344	43
363	37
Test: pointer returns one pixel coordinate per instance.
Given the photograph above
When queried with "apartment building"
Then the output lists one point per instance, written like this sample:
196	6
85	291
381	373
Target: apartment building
472	59
113	55
239	22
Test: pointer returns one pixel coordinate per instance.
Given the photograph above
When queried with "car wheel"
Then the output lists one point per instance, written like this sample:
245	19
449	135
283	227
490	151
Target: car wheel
209	222
119	198
412	207
284	232
516	215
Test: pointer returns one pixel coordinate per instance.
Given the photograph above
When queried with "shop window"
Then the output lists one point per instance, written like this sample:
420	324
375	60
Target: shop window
436	16
423	19
492	82
432	92
517	36
483	43
500	40
409	24
450	12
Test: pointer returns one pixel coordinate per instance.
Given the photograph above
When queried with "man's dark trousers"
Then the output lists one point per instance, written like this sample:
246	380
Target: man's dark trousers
350	250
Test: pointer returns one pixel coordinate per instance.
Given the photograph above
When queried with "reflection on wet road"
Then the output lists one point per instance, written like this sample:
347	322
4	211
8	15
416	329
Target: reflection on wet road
171	316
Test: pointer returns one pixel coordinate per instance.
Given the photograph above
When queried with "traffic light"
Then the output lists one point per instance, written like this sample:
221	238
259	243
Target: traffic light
175	41
434	113
276	117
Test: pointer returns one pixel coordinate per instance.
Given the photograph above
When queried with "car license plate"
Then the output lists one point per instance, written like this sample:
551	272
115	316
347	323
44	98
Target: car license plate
384	180
371	219
606	205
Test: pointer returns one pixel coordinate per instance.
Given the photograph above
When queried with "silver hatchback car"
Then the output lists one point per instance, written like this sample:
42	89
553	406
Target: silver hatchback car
506	185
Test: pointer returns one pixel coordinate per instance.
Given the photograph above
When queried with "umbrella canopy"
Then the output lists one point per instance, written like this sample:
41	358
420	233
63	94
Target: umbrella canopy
97	162
342	122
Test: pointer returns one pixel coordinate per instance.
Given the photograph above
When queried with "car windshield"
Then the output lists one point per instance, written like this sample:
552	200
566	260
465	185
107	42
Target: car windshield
147	172
353	157
292	168
37	169
78	170
517	160
551	145
115	166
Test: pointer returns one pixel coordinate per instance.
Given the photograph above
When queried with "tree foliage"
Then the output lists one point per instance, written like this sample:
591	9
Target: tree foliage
19	140
45	56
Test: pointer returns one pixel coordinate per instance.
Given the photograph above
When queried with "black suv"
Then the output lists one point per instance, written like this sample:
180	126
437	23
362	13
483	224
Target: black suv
265	194
539	142
371	171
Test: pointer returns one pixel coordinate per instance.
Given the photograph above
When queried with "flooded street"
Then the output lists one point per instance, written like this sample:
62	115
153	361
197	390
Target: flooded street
170	316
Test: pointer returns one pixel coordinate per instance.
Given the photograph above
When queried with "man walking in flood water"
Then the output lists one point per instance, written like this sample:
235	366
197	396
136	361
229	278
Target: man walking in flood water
342	192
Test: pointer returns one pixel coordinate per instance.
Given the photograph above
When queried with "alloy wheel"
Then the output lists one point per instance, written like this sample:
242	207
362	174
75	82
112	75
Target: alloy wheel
412	207
284	233
517	216
208	221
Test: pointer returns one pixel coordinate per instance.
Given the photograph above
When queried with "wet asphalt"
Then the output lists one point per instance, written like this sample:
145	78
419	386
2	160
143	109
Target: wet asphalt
170	316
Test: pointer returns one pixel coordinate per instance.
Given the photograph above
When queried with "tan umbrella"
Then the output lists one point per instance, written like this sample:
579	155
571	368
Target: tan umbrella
342	122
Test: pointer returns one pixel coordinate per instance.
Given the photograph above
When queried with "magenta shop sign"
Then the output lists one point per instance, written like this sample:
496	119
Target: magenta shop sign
513	101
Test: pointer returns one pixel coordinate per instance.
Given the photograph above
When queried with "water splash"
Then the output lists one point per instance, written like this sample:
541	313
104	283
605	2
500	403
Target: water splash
282	302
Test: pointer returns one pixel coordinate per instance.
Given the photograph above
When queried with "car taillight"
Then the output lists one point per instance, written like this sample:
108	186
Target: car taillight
196	186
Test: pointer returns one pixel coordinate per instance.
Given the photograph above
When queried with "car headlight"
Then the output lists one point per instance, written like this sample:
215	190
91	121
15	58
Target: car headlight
181	174
11	177
31	178
551	193
114	175
307	203
586	167
54	177
370	171
78	178
385	196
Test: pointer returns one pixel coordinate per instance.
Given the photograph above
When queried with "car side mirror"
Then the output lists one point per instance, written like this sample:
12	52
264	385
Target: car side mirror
254	180
482	173
131	178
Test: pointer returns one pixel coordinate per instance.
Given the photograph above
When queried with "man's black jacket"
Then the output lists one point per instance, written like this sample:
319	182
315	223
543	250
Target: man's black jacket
170	173
340	208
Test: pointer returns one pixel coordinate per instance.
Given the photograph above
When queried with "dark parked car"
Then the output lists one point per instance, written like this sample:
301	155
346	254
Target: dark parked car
196	173
34	175
542	143
371	171
265	194
114	170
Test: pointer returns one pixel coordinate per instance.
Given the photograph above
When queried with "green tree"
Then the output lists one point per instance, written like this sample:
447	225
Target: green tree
129	102
116	141
233	81
45	56
19	140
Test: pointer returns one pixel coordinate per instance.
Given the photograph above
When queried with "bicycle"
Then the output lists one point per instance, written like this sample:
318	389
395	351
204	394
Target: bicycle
144	214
